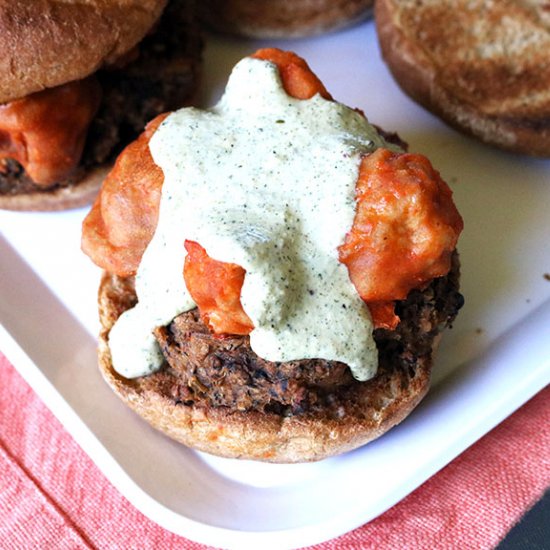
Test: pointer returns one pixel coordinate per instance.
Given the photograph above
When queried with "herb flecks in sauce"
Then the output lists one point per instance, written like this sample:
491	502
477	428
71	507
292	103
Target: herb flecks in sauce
267	182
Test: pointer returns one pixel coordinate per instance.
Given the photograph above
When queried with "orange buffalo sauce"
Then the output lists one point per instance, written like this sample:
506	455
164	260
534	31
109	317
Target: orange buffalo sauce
45	132
216	289
124	215
405	229
299	80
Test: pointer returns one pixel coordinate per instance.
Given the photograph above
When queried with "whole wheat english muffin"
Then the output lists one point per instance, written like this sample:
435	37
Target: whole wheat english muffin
282	18
306	326
79	82
484	67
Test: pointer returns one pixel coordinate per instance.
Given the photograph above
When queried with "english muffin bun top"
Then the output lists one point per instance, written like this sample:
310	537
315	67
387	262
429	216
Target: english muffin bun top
483	67
46	43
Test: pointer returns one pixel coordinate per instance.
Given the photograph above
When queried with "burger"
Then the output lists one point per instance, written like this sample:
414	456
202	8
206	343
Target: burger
277	270
79	82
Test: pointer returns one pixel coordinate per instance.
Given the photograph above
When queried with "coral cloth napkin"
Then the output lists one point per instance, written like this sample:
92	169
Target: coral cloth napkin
53	496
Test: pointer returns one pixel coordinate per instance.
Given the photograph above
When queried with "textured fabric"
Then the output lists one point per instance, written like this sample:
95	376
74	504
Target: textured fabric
53	496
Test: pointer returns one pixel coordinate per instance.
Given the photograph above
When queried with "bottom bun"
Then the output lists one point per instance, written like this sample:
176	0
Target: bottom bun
190	398
73	195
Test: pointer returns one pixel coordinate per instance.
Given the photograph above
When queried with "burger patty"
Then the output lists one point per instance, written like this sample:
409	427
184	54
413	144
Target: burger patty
205	370
161	78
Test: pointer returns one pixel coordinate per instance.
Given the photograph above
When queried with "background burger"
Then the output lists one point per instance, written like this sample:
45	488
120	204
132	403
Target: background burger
78	82
202	375
282	18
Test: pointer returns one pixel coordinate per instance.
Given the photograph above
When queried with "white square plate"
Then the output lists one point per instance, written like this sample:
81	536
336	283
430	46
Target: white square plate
495	358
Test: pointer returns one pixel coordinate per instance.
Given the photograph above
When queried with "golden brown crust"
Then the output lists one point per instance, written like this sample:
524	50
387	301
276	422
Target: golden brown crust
74	195
282	18
46	43
254	435
482	66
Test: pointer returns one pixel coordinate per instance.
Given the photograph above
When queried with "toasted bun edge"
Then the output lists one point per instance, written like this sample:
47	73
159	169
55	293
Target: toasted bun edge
75	195
417	77
46	43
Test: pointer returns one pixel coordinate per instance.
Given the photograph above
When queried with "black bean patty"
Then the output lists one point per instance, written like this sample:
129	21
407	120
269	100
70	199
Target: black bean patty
203	369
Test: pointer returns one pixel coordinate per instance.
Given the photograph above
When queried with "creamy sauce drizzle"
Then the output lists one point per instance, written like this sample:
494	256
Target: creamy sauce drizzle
265	181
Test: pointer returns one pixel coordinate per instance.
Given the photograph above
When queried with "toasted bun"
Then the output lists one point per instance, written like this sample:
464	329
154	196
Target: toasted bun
74	195
282	18
382	402
45	43
481	66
